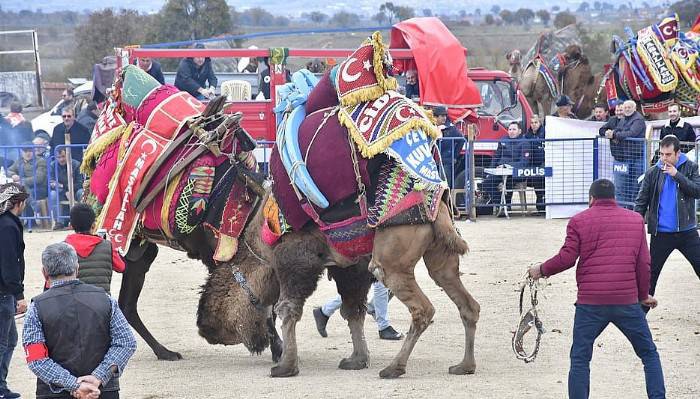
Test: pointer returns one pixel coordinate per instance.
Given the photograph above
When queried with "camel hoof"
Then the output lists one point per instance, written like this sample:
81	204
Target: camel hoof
460	369
281	371
392	372
168	355
352	363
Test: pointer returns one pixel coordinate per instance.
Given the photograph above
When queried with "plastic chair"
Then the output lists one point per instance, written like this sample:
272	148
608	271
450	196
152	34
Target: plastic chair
236	90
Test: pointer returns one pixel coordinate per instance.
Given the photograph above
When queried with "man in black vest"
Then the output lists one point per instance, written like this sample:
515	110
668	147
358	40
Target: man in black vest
76	339
13	198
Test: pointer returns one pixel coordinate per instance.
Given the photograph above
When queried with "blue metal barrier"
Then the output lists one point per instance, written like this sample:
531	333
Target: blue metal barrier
28	167
59	193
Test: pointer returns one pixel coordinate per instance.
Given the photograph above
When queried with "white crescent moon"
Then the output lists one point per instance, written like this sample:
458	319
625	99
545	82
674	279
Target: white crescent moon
344	71
152	143
116	237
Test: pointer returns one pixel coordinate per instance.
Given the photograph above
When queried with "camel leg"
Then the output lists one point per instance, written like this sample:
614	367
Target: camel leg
298	266
273	336
444	270
396	252
353	284
132	283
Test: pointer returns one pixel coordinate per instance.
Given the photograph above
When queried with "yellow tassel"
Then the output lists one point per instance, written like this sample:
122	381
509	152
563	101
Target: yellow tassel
167	203
95	150
124	140
379	146
361	96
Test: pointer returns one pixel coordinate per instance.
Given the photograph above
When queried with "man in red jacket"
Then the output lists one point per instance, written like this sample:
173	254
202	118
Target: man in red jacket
613	276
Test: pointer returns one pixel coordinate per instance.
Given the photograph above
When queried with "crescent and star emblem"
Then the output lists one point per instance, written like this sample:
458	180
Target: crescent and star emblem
149	143
344	73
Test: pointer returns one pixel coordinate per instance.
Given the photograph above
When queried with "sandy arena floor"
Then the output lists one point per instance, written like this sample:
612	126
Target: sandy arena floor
501	250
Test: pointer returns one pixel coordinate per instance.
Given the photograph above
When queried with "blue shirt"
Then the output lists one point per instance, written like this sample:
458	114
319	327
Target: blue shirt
121	348
668	202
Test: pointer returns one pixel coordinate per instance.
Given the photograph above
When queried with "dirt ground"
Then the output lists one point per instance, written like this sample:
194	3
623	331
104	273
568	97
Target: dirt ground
501	250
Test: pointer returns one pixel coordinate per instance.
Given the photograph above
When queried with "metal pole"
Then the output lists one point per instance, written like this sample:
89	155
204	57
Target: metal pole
37	65
69	170
471	133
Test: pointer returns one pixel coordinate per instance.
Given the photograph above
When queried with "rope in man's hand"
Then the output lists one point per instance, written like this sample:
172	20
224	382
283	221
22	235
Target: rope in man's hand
528	319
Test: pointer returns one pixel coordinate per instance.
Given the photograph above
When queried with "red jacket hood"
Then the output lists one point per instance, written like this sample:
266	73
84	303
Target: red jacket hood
84	244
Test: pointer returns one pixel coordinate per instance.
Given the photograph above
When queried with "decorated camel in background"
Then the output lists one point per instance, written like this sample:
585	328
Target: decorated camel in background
555	65
165	169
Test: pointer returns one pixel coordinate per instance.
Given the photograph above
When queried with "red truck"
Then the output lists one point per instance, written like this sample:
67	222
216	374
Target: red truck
501	100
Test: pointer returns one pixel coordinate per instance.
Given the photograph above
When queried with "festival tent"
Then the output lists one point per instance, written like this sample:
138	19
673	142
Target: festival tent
441	62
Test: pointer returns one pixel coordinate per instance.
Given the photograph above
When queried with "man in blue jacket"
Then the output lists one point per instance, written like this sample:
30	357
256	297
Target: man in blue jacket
195	75
512	151
451	145
667	199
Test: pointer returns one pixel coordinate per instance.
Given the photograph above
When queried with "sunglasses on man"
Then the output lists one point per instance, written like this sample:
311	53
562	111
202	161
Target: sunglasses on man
67	116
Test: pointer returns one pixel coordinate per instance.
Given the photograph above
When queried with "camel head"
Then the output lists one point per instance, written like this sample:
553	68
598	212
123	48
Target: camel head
514	57
573	52
227	314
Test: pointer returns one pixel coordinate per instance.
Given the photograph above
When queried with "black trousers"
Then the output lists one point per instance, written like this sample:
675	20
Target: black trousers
662	244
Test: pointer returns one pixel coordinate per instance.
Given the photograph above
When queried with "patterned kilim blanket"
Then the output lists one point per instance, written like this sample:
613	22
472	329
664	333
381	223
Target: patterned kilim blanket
397	202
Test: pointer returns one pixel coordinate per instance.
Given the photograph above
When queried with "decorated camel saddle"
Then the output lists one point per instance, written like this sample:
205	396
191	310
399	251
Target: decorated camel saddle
352	155
159	161
548	55
657	65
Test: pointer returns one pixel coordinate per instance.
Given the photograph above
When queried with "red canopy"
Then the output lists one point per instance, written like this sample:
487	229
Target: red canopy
441	62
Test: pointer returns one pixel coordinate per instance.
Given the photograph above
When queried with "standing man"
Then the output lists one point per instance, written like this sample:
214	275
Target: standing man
152	68
76	339
613	279
451	146
600	113
88	116
59	187
13	199
629	132
667	199
66	101
378	307
679	128
78	134
412	85
512	151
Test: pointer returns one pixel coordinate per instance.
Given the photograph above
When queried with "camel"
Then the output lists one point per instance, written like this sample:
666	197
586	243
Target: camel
299	259
574	79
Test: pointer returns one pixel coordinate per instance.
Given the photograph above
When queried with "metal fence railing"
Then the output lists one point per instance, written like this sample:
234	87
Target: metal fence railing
524	175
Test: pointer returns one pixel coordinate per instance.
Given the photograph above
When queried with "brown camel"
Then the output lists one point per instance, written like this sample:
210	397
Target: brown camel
575	79
299	259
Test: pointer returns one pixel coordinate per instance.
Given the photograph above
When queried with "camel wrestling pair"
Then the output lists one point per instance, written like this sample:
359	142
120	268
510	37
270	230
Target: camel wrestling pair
355	192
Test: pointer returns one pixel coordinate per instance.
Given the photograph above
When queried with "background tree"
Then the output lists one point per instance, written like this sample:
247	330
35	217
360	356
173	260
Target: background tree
687	10
507	16
318	17
495	9
257	16
388	9
544	16
427	12
190	20
556	8
403	13
101	33
563	19
489	19
524	16
345	19
583	7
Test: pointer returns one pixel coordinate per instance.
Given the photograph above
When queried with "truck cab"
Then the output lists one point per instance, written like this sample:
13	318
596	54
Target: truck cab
503	103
